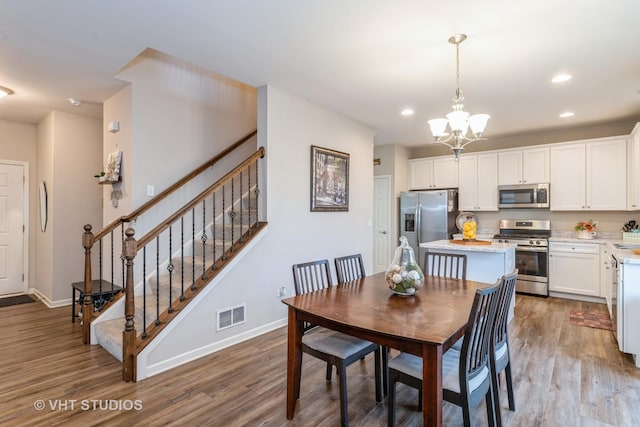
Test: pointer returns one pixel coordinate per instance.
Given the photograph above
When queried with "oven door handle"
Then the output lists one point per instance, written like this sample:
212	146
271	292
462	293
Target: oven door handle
530	249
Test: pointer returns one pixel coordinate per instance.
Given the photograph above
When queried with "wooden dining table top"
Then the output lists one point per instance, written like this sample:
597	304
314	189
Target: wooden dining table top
436	314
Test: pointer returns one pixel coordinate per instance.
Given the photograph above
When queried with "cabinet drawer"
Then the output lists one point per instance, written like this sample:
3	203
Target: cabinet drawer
579	248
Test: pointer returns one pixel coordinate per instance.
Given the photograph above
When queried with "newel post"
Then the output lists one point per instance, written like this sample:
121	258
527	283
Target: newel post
129	250
87	301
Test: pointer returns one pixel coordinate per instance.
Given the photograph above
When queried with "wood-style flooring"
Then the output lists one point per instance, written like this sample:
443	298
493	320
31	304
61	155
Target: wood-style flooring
565	375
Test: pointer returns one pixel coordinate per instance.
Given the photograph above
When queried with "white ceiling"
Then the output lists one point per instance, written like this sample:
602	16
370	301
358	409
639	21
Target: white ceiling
366	59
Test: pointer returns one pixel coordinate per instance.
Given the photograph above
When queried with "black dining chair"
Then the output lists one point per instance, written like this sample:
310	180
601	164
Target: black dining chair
500	356
349	268
445	265
335	348
466	374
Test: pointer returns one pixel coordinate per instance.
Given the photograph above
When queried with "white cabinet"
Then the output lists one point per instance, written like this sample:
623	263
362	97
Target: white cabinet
606	275
530	166
478	182
589	176
432	173
574	268
633	169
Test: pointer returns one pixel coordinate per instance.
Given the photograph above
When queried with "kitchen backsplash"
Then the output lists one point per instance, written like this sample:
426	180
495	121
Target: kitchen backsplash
609	223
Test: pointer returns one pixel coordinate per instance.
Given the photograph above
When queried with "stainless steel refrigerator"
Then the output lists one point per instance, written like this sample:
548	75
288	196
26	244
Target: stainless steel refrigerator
426	216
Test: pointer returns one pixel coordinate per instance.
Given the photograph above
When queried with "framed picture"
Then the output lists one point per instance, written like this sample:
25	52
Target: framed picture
329	180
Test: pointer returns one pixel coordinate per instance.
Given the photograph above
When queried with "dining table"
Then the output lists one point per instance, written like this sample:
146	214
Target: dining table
425	324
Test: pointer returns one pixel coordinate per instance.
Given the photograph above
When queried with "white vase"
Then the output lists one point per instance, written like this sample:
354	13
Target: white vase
584	234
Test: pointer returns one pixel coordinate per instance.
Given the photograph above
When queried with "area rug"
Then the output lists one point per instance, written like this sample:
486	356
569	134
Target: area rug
20	299
592	319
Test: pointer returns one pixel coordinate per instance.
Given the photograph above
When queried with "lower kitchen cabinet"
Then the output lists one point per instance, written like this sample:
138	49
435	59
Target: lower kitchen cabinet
574	268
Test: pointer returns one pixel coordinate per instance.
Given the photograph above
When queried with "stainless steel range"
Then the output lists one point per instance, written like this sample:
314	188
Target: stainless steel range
532	252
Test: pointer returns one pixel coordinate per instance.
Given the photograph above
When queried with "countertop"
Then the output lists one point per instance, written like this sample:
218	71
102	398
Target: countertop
622	255
445	244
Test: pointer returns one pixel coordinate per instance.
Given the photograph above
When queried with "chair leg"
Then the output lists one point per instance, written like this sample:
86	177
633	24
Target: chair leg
344	412
492	416
512	399
378	374
495	378
391	402
385	370
466	413
329	369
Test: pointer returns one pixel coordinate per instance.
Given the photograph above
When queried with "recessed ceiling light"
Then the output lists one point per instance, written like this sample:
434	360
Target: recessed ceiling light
5	91
559	78
407	112
75	101
567	114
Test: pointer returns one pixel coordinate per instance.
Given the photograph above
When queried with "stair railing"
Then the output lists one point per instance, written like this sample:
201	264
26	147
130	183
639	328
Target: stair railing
213	241
111	273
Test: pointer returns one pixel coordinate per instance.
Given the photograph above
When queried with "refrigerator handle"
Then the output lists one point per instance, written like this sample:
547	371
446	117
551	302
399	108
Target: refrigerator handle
418	224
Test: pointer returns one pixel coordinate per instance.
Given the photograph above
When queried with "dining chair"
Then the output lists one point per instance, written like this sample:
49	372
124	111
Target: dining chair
335	348
445	265
500	356
349	268
466	374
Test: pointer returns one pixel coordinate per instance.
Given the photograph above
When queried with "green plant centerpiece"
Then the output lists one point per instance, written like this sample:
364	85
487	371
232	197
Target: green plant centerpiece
404	276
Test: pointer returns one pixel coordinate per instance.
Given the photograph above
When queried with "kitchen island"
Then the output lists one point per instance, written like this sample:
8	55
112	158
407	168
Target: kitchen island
485	263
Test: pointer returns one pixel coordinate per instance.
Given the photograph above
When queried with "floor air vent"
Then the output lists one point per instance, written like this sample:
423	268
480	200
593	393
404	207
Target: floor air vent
228	317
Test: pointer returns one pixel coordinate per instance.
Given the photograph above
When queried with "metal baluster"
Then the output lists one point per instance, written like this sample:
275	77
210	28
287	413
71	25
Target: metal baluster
249	198
112	263
144	292
232	215
182	298
215	232
203	237
170	268
257	195
241	209
157	280
122	258
224	255
193	249
97	302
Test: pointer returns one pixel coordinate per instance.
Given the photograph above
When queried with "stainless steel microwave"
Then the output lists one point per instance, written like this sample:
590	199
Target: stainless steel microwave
524	196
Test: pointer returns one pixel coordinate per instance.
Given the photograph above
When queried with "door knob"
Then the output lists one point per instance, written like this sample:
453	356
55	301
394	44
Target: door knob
383	232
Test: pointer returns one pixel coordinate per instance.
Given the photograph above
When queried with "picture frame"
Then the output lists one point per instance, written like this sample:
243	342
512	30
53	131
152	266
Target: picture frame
329	180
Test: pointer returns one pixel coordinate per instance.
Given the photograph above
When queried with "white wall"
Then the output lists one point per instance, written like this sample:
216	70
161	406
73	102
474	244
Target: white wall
173	117
18	143
288	126
69	151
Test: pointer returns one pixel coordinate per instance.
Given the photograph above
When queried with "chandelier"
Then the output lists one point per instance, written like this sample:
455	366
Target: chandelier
459	121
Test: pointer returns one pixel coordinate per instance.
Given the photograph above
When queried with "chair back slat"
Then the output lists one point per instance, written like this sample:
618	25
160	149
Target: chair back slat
349	268
445	265
502	312
477	338
311	276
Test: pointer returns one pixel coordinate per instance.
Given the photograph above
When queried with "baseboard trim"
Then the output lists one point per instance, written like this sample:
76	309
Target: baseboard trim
46	301
587	298
192	355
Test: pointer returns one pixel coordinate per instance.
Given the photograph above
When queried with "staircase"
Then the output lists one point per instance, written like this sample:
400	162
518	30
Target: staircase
174	266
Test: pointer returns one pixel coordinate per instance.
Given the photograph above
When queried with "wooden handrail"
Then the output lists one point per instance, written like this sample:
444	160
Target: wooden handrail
161	196
225	179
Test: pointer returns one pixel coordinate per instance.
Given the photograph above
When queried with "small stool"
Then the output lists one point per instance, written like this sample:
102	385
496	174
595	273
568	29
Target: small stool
102	292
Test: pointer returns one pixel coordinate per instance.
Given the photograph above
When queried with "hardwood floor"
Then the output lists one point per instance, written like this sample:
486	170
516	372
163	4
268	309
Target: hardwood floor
565	375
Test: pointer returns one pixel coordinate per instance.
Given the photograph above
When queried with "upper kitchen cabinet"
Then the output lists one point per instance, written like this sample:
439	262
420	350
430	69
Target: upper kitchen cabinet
530	166
633	169
433	173
478	182
589	176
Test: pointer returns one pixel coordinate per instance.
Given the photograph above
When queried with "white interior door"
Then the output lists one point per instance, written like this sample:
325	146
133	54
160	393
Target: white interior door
11	228
381	222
